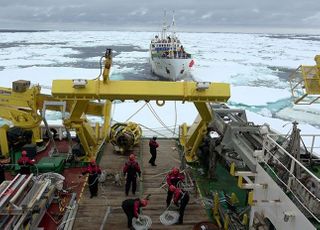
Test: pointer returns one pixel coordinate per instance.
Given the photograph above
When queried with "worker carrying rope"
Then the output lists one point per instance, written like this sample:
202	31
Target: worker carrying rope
94	171
180	199
173	178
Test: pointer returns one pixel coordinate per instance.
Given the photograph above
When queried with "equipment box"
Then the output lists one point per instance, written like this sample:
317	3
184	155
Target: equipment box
20	86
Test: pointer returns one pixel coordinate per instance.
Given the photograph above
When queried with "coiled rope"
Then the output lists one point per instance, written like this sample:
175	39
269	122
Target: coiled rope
169	217
143	223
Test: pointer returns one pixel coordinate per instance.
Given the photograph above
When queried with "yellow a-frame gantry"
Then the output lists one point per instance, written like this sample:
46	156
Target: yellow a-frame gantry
82	91
305	83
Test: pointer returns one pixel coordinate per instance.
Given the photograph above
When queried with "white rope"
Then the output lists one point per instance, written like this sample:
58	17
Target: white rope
136	112
142	223
169	217
158	118
175	118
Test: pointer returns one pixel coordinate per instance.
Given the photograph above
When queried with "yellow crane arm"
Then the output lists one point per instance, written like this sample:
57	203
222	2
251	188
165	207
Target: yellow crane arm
93	108
22	118
200	94
22	106
141	90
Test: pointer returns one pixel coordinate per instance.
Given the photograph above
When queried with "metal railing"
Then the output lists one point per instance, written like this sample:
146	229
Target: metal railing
269	146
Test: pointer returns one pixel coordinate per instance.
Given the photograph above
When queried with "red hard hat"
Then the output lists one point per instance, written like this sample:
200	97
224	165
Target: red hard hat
24	153
144	202
132	157
175	171
172	188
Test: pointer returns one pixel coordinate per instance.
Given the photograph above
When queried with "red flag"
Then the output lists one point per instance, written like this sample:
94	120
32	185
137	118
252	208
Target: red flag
191	63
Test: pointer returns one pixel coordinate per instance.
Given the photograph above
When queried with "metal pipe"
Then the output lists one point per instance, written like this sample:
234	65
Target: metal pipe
38	194
72	216
67	213
15	182
21	189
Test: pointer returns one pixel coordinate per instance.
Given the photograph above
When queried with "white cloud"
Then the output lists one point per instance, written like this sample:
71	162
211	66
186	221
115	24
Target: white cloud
255	10
139	12
186	11
314	19
207	16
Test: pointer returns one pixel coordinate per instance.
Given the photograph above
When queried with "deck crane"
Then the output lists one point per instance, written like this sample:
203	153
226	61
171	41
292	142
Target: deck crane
22	105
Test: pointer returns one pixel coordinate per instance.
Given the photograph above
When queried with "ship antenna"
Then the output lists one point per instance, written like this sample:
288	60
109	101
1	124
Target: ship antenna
173	27
164	27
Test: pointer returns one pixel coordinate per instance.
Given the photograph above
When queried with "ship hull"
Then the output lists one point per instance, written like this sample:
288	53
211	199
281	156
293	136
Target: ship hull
172	69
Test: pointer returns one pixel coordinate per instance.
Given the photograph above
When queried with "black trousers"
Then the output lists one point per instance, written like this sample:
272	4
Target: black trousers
128	211
169	197
93	184
131	180
153	158
25	169
183	204
2	174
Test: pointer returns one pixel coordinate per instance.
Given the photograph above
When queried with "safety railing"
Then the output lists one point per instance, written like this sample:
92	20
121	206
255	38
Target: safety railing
306	198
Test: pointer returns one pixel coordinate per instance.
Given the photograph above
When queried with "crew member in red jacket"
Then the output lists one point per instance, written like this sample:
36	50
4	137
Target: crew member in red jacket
25	163
131	208
153	144
94	171
180	199
173	178
131	169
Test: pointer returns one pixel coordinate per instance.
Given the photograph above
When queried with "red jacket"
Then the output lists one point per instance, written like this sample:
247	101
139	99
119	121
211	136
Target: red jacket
136	206
177	195
93	169
153	146
173	179
24	160
131	168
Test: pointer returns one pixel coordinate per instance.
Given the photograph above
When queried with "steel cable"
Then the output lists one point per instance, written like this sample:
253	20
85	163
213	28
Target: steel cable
158	118
136	112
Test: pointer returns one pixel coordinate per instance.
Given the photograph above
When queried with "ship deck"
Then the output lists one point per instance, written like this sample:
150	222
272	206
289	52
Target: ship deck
104	211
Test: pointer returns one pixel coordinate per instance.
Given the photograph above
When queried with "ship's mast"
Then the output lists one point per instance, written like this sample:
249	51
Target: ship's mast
164	27
173	28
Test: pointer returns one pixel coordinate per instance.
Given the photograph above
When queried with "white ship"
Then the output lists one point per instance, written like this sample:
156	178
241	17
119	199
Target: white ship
168	57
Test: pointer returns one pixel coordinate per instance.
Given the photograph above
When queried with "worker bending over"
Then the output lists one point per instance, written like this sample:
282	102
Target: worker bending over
173	178
180	199
131	208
